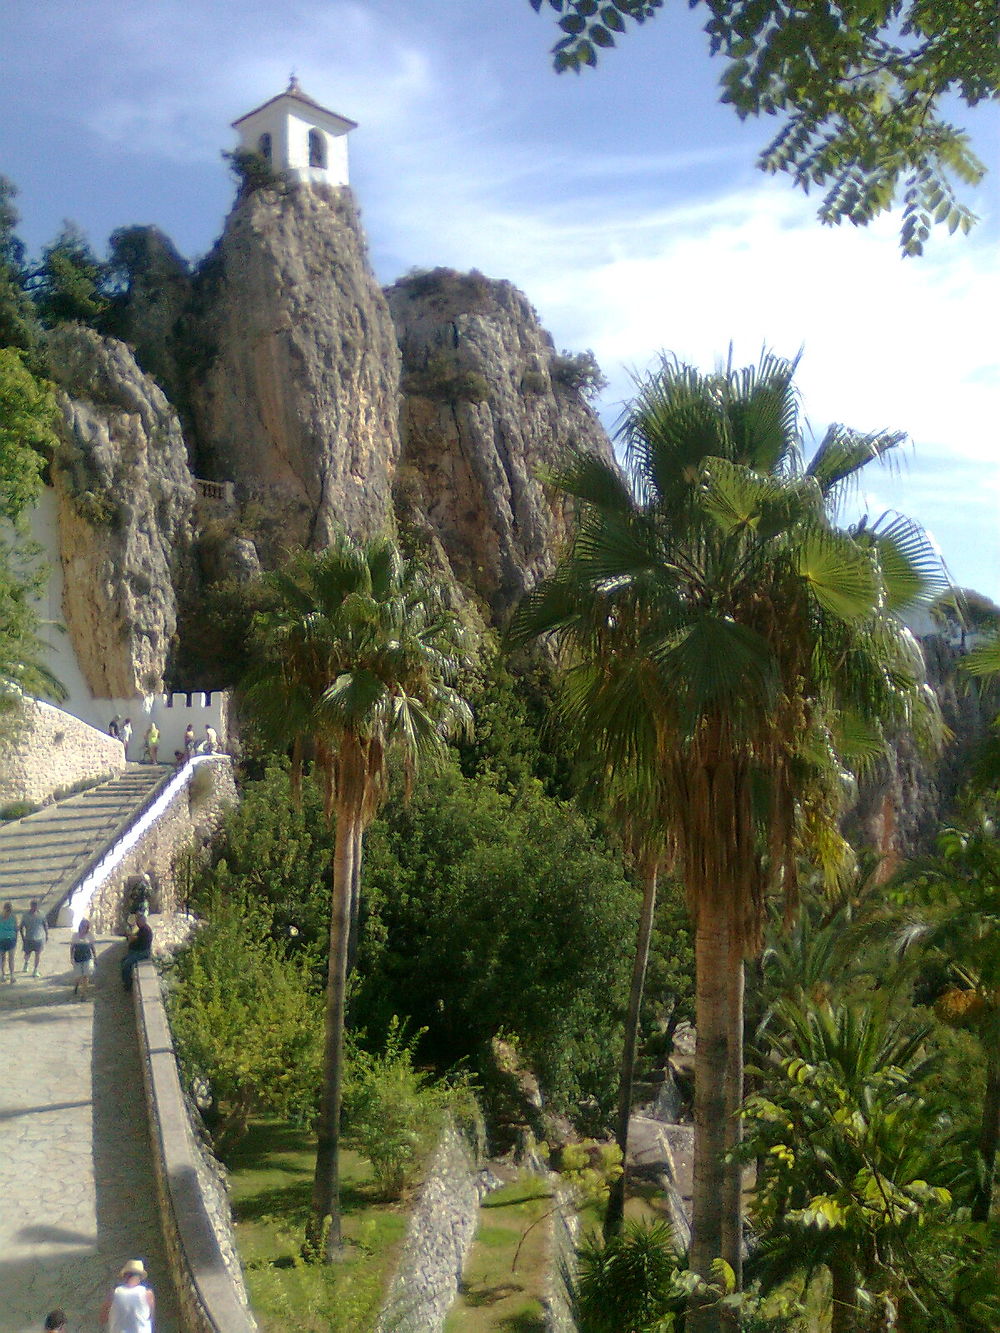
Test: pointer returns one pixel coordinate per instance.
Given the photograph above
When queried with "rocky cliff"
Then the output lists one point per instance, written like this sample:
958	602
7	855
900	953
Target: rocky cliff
294	388
900	811
126	505
487	406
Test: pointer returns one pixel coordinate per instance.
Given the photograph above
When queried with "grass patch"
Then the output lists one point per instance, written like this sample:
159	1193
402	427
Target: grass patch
270	1185
495	1295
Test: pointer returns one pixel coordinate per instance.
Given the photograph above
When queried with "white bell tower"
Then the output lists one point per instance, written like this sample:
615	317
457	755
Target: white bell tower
298	137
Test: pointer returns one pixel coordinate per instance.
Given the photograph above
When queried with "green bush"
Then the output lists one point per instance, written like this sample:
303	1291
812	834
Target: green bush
17	810
277	855
449	377
628	1283
245	1022
579	371
394	1113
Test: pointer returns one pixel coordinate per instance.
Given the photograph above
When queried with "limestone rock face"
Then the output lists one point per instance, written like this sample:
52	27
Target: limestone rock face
900	812
126	500
485	408
297	397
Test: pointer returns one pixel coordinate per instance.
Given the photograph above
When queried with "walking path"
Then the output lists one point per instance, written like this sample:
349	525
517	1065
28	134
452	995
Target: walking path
77	1193
44	855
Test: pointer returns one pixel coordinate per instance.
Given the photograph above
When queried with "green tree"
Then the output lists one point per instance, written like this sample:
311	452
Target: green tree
277	852
356	657
27	435
18	323
729	644
861	87
70	282
491	911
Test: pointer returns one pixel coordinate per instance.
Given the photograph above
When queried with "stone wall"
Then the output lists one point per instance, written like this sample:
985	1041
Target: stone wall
187	810
442	1228
193	1207
51	751
562	1262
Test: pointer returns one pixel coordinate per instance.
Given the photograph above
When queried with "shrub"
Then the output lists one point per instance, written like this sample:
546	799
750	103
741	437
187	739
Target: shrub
628	1283
579	371
448	291
447	376
245	1022
394	1113
534	381
252	171
17	810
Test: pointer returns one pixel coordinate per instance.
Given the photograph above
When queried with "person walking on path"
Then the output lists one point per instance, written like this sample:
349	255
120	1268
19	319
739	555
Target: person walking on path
81	955
129	1308
190	742
34	934
210	745
140	949
8	941
126	734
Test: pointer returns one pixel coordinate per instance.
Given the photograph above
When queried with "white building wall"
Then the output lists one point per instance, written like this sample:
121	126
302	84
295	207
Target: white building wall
289	133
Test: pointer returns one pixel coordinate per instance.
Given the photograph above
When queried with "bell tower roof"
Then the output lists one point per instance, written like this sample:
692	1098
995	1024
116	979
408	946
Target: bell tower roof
305	103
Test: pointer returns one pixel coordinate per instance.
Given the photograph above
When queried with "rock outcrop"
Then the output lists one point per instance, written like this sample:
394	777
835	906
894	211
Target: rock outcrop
294	390
488	405
900	811
126	500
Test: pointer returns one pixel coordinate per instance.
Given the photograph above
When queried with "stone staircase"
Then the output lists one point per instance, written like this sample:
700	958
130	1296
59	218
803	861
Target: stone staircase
45	854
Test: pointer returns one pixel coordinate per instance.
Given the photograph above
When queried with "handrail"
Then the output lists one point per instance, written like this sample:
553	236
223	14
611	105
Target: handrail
74	906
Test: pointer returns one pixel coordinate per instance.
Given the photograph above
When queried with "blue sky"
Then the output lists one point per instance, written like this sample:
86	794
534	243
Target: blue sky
624	202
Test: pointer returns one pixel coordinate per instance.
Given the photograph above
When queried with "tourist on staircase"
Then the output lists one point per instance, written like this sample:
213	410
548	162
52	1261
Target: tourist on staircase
8	941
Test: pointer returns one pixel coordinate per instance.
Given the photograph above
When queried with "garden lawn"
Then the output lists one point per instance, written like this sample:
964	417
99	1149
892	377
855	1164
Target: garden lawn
494	1294
270	1184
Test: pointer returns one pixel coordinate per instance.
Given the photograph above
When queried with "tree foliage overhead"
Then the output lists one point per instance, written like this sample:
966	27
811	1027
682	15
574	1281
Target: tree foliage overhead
18	322
859	86
70	283
27	435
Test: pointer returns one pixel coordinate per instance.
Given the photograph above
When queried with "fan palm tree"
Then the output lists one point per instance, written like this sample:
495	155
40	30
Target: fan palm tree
730	647
358	657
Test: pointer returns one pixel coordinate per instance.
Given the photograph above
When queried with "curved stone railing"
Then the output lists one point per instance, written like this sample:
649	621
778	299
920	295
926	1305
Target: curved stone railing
208	1284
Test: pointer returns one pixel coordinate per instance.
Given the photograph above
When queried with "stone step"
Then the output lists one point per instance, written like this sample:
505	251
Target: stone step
43	855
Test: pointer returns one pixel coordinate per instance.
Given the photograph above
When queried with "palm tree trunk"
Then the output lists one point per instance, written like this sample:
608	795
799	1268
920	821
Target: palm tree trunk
616	1199
843	1318
352	939
713	997
326	1181
989	1133
732	1216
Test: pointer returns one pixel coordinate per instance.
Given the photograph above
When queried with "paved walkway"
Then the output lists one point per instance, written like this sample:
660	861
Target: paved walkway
76	1185
43	855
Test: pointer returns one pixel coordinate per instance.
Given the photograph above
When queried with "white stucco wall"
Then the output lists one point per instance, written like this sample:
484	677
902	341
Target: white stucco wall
289	124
